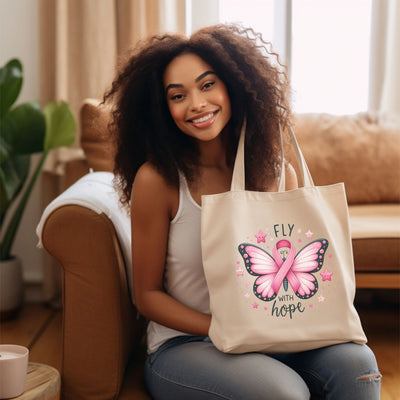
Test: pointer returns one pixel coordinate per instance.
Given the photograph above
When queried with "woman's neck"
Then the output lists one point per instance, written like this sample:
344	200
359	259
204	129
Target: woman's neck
214	174
213	154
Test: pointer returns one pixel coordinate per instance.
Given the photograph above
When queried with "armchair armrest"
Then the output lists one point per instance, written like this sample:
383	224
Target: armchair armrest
100	323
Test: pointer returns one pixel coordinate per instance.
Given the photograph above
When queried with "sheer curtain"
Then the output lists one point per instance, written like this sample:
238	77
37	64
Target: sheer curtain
385	59
80	41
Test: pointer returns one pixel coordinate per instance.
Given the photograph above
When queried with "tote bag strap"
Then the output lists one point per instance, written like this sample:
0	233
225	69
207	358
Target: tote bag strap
282	177
238	177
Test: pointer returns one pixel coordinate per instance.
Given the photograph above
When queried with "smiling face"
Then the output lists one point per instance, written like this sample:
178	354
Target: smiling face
197	99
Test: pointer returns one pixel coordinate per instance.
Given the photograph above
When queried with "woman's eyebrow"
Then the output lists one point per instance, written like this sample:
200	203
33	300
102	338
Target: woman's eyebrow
173	85
199	78
203	75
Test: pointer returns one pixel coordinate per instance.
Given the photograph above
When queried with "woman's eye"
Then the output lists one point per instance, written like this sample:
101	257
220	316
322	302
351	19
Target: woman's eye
208	85
177	97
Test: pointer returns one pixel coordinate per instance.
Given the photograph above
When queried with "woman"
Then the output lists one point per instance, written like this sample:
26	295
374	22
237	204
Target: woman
180	104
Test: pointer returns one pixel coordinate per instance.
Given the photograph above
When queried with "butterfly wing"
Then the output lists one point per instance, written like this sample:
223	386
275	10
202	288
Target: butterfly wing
259	263
307	261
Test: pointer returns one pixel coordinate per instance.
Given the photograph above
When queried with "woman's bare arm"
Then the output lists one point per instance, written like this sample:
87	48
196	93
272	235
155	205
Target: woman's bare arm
151	206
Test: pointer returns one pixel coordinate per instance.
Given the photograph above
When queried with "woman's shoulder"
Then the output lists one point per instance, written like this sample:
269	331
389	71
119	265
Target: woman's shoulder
150	188
149	179
149	175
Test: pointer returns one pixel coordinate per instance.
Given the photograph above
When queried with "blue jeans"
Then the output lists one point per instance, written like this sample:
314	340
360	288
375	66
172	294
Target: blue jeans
192	368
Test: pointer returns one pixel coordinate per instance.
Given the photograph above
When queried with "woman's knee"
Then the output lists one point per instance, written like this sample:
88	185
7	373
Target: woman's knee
359	357
368	367
355	374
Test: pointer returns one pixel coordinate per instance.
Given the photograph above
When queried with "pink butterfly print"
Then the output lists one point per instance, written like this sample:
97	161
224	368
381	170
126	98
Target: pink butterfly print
295	269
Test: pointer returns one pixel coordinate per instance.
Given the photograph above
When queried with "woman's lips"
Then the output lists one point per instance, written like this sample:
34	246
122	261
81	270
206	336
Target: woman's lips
204	121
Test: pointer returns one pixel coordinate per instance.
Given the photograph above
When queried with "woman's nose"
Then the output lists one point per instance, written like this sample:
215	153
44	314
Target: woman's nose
198	102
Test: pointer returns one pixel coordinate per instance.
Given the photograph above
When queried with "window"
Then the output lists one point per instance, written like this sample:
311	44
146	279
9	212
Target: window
259	15
327	47
330	55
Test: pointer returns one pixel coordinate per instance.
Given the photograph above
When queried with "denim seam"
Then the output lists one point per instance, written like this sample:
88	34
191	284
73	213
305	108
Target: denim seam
319	378
189	387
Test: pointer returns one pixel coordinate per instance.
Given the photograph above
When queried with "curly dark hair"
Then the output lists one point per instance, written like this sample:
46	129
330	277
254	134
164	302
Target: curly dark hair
257	85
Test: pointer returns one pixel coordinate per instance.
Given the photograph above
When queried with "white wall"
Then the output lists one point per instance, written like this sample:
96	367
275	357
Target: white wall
19	27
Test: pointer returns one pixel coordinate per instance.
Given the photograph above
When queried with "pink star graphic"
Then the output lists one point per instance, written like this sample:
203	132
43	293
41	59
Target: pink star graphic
326	275
255	305
247	295
321	298
309	234
260	236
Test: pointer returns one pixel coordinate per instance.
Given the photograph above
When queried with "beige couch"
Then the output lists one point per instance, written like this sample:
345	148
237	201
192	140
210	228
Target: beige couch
365	155
102	353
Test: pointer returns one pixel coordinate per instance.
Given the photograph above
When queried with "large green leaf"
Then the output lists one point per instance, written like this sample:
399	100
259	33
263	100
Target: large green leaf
5	148
12	228
11	77
23	129
60	125
13	174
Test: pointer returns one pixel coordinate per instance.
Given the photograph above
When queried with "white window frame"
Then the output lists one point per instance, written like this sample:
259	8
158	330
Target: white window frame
201	13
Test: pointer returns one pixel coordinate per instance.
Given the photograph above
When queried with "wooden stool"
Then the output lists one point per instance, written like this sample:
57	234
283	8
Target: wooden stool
42	382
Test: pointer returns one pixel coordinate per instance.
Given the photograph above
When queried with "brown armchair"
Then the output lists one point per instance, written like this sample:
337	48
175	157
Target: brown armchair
103	348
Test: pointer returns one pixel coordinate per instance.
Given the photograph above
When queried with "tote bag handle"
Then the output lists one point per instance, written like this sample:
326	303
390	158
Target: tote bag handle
238	177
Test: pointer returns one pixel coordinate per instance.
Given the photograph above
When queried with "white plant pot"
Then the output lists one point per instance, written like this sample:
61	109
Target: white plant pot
11	288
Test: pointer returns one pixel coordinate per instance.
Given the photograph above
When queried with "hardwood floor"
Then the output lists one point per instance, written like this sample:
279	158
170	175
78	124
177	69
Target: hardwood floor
381	323
39	329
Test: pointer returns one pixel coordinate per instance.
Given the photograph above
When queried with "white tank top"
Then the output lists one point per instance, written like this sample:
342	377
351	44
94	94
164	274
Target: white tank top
184	278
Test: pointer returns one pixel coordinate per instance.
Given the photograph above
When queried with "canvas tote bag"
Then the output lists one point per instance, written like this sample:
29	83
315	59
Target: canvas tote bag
279	265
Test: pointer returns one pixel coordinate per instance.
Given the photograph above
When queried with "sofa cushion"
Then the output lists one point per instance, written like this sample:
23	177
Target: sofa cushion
375	232
354	149
96	140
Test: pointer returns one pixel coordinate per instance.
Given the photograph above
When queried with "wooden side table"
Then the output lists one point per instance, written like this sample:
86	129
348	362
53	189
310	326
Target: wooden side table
42	383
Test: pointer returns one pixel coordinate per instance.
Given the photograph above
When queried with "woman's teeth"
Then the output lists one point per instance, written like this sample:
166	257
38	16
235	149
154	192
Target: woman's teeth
203	119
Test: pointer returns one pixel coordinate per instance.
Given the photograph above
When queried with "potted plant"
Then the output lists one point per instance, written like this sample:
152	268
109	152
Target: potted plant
24	129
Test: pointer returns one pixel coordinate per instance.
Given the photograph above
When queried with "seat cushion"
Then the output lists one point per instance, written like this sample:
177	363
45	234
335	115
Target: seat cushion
375	231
